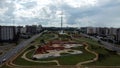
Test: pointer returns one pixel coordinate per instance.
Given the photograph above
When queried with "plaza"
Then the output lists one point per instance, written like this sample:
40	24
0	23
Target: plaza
55	49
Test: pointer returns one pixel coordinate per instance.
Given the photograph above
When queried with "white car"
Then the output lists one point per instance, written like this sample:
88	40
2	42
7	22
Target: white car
3	60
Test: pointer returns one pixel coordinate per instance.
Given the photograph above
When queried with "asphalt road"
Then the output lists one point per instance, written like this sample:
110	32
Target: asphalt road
17	49
107	45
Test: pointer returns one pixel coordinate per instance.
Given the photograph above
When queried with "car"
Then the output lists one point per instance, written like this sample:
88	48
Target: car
15	51
4	60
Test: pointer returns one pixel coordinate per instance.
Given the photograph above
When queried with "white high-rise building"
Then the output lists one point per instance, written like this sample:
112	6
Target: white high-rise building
7	33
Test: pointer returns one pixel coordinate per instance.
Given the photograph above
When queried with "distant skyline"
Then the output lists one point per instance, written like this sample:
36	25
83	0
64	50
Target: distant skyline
76	13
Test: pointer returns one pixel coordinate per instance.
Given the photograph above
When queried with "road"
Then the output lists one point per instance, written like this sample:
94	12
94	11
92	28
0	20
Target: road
17	49
107	45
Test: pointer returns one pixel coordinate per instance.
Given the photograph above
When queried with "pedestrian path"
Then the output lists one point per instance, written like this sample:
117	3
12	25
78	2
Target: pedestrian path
89	61
24	57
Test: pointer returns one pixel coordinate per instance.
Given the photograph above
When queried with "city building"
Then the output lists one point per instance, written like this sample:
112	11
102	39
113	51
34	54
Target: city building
89	30
39	28
107	34
31	29
18	29
102	31
112	33
23	30
7	33
118	35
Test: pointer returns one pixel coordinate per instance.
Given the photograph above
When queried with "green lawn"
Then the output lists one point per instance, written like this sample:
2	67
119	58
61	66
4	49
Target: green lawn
112	60
73	59
5	66
93	45
46	37
68	60
109	58
30	54
23	62
64	37
64	53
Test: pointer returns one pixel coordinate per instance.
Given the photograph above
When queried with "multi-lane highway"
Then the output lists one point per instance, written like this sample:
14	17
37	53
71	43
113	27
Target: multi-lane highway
107	45
17	49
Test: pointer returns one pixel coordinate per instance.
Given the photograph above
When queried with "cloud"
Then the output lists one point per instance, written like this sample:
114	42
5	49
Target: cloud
47	12
3	10
99	15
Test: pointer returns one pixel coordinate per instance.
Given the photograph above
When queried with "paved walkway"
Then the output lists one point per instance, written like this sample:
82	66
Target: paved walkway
89	61
24	57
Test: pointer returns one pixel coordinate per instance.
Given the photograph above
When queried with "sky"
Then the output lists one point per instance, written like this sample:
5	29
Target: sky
75	13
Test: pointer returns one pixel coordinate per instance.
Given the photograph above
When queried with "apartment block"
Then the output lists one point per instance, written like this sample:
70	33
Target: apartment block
89	30
118	35
31	29
7	33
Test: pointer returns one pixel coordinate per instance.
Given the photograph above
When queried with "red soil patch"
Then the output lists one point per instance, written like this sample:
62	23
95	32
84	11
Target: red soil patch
48	46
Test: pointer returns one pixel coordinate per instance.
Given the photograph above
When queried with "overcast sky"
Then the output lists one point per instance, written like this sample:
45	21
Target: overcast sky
77	13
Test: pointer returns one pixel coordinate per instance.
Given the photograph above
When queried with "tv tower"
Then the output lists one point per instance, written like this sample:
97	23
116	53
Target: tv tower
61	32
61	20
